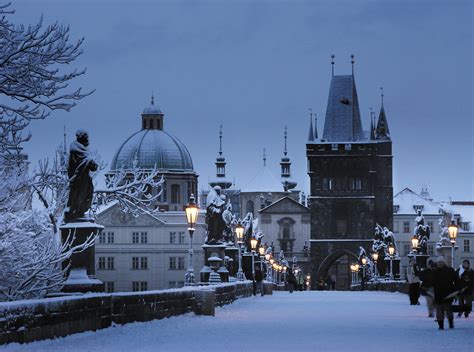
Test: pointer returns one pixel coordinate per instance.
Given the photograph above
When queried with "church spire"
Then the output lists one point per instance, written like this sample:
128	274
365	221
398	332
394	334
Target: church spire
285	164
372	125
310	134
352	64
332	63
382	132
316	126
220	167
264	157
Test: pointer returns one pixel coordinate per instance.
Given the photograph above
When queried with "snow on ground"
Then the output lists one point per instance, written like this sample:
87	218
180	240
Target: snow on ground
301	321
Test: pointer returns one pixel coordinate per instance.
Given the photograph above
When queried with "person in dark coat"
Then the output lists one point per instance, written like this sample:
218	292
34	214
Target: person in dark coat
259	281
444	283
465	284
413	282
291	279
427	282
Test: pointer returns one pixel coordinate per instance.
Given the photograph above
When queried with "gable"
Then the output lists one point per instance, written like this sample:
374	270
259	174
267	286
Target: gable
114	216
285	205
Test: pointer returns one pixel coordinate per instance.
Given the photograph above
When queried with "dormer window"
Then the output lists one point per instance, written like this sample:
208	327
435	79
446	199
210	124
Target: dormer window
396	208
418	207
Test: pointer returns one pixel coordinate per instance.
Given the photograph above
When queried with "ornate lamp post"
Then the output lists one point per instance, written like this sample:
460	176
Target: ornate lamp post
239	232
364	264
192	212
352	274
268	256
253	245
391	252
453	233
356	268
261	252
375	257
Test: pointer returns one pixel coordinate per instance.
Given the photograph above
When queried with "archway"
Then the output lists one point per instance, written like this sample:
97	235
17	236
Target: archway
335	268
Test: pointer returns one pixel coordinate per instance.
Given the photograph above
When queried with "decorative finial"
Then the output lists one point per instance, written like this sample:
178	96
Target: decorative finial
264	157
285	152
220	140
152	98
352	63
311	113
332	63
381	94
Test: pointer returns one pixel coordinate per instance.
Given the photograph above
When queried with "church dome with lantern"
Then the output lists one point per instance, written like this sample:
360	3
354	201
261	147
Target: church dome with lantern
153	147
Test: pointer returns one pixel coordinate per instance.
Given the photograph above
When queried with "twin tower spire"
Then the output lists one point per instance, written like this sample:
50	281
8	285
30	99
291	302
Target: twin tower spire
287	182
343	122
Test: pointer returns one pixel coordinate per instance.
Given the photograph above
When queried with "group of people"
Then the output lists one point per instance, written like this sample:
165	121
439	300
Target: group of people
441	285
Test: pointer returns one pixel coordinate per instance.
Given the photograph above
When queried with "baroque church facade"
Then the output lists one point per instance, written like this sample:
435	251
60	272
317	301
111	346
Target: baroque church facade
350	173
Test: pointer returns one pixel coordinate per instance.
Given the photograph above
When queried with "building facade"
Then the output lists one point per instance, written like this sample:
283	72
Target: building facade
350	174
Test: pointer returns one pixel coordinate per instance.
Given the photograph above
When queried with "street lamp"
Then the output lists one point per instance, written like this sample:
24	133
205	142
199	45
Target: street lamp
192	212
391	252
239	232
453	233
375	257
414	243
261	251
253	245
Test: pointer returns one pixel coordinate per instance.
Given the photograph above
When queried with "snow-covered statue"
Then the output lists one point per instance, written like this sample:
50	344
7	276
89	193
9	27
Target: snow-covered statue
379	246
229	221
81	188
389	240
443	236
362	254
422	233
214	216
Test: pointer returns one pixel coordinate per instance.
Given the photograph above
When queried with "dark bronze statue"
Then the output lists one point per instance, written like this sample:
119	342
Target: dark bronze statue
216	224
80	182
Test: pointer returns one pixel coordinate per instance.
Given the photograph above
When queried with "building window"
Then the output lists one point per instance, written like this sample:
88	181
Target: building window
418	207
396	227
334	147
175	196
465	226
144	263
144	237
328	183
181	237
172	263
180	263
172	237
110	237
466	246
135	237
102	262
431	250
356	184
396	208
135	263
406	227
109	286
249	207
176	263
164	197
348	146
102	237
110	263
139	286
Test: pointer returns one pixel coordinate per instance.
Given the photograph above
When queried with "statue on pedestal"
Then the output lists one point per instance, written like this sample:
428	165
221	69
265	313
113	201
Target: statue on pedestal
214	216
422	233
81	188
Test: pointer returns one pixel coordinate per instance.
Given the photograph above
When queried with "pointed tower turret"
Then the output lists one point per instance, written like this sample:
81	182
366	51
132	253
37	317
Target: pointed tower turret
372	126
152	117
310	134
220	180
382	131
286	180
316	127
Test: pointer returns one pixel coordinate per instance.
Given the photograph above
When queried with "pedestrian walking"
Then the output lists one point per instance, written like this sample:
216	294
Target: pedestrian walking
259	281
444	283
465	285
413	282
426	287
291	280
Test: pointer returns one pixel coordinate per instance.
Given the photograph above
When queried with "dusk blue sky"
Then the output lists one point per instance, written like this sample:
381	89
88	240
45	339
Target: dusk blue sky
256	66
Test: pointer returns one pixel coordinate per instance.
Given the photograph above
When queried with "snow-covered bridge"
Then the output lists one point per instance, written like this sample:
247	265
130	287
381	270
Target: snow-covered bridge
301	321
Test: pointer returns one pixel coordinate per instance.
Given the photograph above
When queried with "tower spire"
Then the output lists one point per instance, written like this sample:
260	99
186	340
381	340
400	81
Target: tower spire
220	140
310	133
285	164
316	126
285	151
381	95
152	98
332	63
352	63
372	125
264	157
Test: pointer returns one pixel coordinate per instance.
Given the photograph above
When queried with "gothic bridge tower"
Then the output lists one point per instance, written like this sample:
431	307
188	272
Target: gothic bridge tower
351	190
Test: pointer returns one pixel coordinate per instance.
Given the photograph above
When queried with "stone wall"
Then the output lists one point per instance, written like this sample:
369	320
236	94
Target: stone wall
389	286
31	320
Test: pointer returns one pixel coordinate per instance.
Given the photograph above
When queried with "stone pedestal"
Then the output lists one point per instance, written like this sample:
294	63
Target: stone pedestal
395	268
446	252
421	260
233	253
81	272
214	250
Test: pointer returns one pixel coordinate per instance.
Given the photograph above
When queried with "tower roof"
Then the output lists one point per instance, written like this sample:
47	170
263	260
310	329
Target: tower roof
342	114
382	126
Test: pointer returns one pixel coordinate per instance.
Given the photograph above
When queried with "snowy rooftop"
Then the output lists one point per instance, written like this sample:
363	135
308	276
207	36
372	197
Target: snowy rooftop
264	181
407	199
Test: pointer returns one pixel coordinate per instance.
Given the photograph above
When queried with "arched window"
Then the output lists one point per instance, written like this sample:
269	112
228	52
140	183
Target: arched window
250	207
286	234
175	194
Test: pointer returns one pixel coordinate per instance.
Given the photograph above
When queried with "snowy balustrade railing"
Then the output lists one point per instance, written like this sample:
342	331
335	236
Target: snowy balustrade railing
38	319
386	286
